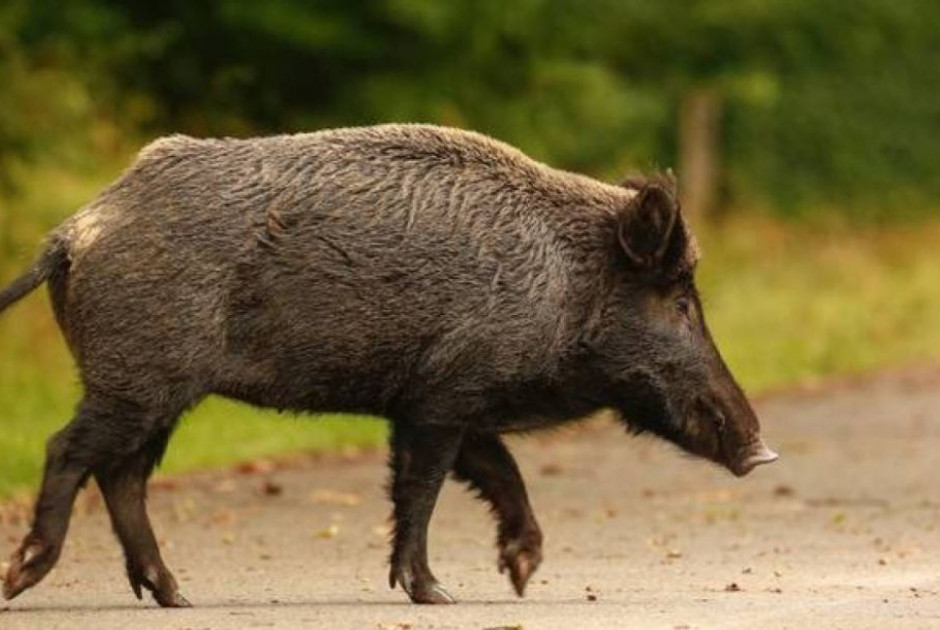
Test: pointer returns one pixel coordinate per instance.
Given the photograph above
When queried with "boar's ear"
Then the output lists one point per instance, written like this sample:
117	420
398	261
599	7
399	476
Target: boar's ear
649	229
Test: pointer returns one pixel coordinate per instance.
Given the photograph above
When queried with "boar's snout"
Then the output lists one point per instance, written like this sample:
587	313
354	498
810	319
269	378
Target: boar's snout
740	446
758	453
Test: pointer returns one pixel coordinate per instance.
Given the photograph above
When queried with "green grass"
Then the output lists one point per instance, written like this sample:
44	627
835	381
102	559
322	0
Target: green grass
786	303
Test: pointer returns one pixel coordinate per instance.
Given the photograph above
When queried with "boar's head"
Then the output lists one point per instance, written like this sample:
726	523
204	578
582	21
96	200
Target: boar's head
652	354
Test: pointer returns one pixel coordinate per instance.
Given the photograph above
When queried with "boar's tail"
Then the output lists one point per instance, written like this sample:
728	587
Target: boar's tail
51	259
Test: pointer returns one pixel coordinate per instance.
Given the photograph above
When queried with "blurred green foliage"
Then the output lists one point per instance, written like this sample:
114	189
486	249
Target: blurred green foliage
826	104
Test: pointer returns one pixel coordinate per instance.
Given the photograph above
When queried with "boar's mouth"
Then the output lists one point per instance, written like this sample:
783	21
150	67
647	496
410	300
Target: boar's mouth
742	459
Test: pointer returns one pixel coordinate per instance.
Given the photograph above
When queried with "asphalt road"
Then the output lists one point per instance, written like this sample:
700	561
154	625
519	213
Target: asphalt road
842	532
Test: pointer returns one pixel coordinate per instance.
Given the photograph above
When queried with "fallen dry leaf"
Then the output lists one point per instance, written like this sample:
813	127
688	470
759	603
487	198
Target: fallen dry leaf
255	466
223	517
784	490
271	488
335	497
329	532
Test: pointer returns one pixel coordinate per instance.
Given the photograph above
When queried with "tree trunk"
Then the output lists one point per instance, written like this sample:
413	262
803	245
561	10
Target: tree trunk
699	124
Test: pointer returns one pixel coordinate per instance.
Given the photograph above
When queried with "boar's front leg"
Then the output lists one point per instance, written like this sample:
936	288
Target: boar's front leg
487	465
421	458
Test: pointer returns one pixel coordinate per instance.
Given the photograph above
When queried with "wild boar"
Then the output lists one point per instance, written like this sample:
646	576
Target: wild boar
432	276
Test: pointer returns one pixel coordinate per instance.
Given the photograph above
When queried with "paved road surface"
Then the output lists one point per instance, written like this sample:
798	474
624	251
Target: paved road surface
843	532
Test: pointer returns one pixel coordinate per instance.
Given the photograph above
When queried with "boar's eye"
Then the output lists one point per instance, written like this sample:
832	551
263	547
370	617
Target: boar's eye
682	306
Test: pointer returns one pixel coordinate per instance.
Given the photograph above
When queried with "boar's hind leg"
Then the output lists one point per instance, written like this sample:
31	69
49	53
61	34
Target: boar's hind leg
421	459
487	465
124	488
63	475
103	432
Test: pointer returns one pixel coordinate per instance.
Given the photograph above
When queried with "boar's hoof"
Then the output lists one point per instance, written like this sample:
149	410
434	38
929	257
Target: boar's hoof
29	564
160	583
171	600
431	593
427	591
521	559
